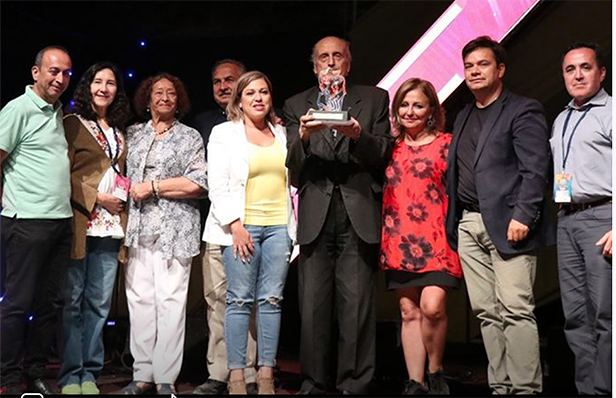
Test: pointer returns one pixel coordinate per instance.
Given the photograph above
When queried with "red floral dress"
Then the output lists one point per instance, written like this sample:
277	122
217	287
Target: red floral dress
414	209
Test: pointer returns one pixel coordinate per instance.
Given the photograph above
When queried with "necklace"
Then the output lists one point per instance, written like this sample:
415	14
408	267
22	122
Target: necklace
165	130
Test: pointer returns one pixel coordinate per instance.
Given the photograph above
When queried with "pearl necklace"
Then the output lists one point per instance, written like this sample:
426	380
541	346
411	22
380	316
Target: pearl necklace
165	130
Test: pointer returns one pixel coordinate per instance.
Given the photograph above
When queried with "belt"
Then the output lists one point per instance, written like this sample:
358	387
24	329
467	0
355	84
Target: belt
474	208
570	208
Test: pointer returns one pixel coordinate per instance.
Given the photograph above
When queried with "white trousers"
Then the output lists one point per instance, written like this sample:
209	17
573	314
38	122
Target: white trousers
156	291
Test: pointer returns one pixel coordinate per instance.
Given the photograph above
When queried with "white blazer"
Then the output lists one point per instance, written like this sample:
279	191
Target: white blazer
228	167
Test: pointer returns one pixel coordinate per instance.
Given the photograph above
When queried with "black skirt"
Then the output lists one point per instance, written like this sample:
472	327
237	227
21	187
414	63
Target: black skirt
401	279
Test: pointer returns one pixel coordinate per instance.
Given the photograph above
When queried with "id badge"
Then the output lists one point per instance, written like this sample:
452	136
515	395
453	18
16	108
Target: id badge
562	188
121	186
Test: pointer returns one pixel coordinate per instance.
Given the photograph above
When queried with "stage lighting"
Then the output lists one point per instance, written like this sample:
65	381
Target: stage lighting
441	45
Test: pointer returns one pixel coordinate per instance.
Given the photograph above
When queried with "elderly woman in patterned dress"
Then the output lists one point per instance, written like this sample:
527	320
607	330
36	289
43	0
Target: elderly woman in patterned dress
166	165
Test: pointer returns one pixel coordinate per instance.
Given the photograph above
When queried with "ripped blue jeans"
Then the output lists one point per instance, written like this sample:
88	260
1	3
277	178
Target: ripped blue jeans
261	280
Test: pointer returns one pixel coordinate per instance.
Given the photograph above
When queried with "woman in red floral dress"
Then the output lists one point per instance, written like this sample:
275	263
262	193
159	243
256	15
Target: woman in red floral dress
418	262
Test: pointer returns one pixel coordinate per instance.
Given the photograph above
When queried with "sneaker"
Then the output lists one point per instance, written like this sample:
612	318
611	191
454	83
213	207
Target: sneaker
40	386
412	387
71	389
211	387
89	388
437	384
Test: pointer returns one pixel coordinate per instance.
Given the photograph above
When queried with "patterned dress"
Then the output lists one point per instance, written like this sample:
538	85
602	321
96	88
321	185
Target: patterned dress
179	154
414	248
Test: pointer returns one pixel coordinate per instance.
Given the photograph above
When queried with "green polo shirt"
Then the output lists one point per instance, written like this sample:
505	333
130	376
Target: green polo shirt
36	172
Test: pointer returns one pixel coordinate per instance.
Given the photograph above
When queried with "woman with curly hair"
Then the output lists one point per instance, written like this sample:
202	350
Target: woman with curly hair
166	166
418	262
97	153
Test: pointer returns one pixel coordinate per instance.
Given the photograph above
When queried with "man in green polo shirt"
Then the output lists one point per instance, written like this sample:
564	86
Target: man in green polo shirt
35	222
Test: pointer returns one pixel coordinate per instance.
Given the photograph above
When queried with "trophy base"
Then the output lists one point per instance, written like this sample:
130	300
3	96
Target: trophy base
332	118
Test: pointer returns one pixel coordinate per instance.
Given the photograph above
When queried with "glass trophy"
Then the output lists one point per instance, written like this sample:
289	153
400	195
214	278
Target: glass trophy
332	90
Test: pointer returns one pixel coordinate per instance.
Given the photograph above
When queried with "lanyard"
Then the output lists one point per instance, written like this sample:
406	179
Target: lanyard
566	153
114	159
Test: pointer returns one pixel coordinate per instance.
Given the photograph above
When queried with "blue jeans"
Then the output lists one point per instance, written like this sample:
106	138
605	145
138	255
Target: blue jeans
263	279
88	300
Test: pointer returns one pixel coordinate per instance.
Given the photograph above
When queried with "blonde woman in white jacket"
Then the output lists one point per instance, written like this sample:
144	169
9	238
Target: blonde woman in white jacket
252	218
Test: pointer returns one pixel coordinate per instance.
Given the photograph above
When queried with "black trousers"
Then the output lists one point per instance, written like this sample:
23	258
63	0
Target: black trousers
37	257
337	275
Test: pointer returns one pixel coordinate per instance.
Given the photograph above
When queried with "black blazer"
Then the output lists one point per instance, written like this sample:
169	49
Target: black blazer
511	172
356	167
205	122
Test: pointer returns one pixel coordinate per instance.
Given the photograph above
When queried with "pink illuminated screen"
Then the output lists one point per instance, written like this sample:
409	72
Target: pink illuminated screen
436	57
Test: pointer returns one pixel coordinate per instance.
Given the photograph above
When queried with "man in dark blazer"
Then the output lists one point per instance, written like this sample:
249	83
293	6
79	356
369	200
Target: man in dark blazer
338	171
498	167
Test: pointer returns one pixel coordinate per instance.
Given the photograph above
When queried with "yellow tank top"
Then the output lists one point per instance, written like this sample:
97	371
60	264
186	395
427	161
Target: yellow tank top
266	195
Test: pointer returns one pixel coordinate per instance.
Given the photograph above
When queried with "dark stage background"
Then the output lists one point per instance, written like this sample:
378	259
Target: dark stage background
186	37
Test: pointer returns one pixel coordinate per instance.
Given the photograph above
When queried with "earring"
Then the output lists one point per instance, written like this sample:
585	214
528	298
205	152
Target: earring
430	122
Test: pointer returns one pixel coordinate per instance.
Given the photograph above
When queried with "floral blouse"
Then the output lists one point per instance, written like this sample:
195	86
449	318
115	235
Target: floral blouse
414	209
102	223
180	154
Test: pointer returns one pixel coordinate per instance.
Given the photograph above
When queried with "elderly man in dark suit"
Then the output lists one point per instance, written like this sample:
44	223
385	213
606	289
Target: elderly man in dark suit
498	166
338	171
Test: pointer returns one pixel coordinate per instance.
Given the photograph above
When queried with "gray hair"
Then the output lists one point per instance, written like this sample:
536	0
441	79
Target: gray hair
240	65
313	56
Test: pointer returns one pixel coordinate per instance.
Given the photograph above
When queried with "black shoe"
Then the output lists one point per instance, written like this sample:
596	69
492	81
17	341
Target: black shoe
309	392
437	384
412	387
252	388
40	386
308	388
211	387
11	389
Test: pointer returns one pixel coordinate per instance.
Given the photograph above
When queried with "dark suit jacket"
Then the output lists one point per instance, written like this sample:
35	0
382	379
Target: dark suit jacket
204	123
511	172
325	161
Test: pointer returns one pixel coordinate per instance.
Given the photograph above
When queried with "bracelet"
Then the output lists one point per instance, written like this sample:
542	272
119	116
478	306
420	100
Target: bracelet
158	188
153	189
